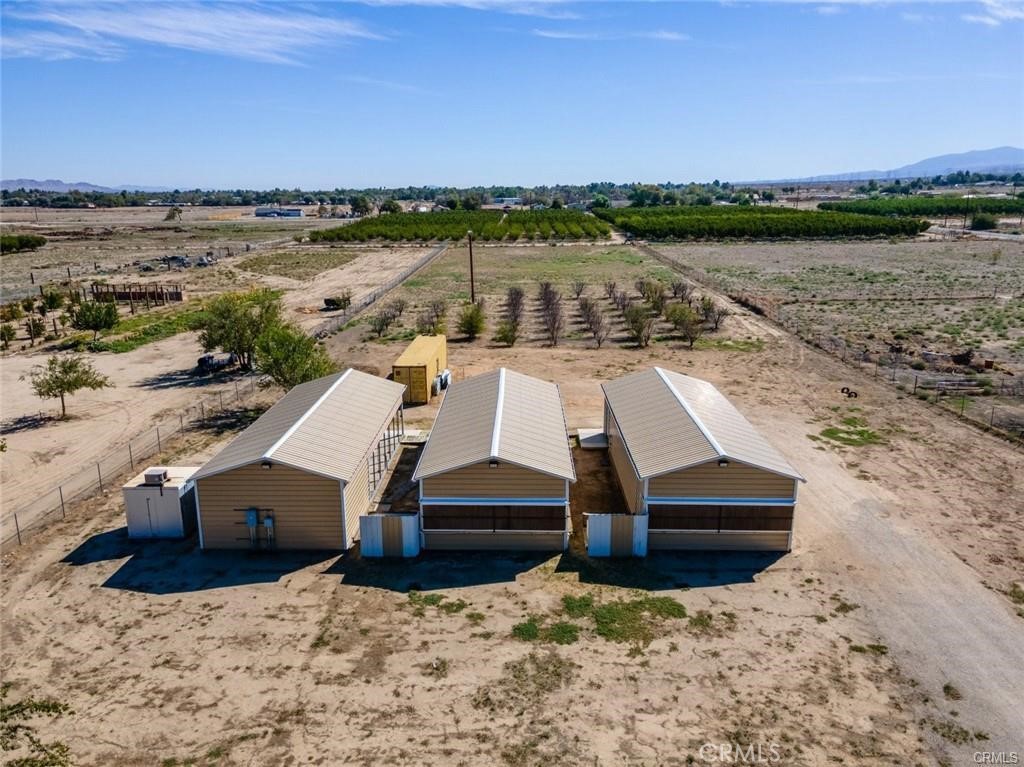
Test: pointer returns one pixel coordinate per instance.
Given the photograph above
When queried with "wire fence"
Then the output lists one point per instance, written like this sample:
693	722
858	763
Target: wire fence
335	323
992	400
16	527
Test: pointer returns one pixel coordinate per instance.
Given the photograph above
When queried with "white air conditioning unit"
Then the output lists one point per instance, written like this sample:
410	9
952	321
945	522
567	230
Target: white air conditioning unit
156	475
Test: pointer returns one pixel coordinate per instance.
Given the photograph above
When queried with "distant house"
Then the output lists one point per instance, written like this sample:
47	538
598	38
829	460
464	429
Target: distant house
508	200
276	212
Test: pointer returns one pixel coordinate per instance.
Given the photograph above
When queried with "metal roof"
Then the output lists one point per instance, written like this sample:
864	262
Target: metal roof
420	351
670	421
324	427
501	415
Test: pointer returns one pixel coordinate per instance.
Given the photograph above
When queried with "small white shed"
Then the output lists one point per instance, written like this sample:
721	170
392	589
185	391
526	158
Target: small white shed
160	502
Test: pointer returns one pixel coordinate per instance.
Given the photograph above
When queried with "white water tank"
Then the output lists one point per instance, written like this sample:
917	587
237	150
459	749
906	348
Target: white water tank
160	502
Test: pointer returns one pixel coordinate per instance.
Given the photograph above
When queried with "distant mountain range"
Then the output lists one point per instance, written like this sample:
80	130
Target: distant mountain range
56	185
1003	159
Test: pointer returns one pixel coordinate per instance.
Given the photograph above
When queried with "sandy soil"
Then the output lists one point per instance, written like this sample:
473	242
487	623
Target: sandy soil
291	659
151	384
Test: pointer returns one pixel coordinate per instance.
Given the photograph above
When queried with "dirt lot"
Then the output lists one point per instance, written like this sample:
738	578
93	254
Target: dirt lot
886	637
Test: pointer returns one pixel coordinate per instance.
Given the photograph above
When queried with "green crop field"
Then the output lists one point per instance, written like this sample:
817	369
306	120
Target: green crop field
486	225
721	222
927	206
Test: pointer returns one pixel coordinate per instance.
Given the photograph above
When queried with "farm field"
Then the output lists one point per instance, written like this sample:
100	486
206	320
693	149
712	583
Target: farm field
373	662
486	225
114	239
717	222
928	206
904	306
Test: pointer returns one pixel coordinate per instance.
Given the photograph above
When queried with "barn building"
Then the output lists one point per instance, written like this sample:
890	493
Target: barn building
304	472
689	461
495	471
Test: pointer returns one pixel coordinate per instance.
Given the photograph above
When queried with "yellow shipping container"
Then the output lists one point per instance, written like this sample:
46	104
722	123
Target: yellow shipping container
418	366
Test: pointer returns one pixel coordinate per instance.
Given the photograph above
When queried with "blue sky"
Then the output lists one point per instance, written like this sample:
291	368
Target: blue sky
462	92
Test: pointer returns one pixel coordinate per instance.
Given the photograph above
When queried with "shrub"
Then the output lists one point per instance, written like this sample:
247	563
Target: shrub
471	321
983	221
508	333
640	324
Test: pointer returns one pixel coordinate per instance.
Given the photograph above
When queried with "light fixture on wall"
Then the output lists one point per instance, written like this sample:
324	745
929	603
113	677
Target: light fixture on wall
723	463
493	463
266	465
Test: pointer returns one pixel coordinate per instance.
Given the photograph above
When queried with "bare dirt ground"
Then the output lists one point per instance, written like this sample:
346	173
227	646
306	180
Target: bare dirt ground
888	636
150	383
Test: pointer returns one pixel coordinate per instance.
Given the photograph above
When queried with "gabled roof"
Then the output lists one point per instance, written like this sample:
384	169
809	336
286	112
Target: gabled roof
324	427
501	415
670	421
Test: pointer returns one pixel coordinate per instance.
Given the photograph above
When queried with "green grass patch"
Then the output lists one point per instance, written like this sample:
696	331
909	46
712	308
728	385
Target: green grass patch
420	602
634	620
527	631
533	630
730	344
853	433
578	607
299	264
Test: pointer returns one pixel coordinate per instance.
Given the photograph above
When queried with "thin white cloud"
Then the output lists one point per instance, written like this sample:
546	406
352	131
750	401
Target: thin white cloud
279	35
829	10
568	34
51	45
995	12
547	9
386	84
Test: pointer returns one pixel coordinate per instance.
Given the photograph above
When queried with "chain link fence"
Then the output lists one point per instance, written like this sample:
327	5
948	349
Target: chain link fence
135	455
327	327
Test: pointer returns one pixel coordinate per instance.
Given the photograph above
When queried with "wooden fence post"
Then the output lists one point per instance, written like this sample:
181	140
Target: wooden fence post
100	475
17	528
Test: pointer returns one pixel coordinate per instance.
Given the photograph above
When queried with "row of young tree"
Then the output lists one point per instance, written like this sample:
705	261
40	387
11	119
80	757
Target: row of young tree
693	223
63	310
927	206
486	225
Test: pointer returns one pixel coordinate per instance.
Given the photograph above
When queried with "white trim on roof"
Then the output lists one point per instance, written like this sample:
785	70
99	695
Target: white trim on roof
302	419
498	408
693	416
794	476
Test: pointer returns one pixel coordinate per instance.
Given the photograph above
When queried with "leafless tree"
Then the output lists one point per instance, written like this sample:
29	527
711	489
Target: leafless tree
554	318
610	286
578	286
600	327
717	315
399	305
622	300
514	305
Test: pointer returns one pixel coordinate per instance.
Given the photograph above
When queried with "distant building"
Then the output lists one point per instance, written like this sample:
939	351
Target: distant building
508	200
270	212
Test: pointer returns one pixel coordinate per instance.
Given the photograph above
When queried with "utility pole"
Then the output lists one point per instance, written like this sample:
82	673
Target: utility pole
472	283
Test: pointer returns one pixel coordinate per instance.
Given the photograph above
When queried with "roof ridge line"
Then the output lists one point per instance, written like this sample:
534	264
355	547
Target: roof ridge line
689	411
294	427
498	412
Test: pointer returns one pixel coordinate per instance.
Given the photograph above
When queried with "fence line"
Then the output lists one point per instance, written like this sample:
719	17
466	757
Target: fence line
29	519
327	327
952	392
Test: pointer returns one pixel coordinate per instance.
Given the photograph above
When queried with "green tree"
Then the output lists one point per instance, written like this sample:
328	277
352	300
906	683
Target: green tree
361	205
16	731
290	357
471	202
63	376
52	300
94	316
640	324
982	221
7	334
685	320
390	206
507	333
174	214
234	321
471	321
600	201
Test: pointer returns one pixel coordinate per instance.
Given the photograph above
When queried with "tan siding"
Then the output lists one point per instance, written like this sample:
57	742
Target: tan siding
631	486
719	541
357	501
710	480
494	541
481	481
306	508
